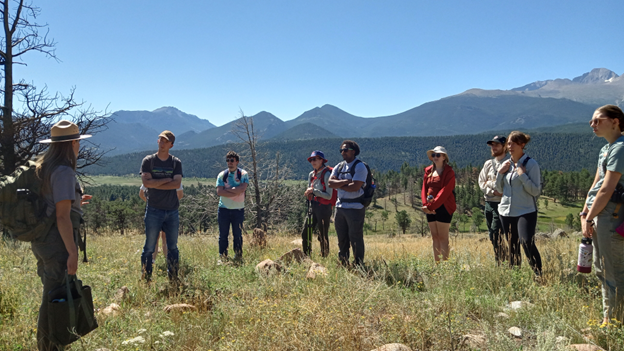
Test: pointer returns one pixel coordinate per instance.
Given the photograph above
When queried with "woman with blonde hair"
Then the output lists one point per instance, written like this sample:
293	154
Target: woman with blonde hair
601	216
438	200
519	180
57	252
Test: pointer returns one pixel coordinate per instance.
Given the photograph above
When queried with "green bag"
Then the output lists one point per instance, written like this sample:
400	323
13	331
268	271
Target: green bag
70	311
22	207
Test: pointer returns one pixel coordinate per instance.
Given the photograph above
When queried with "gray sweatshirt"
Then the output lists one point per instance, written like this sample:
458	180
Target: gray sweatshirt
487	178
519	191
318	186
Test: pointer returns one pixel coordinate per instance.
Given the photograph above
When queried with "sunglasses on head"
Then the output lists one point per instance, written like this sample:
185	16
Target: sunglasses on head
345	150
230	160
436	155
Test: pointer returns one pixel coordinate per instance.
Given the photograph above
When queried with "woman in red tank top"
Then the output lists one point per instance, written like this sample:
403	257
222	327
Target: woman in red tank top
438	200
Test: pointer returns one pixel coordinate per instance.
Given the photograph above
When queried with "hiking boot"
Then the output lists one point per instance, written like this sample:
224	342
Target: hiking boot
223	260
238	259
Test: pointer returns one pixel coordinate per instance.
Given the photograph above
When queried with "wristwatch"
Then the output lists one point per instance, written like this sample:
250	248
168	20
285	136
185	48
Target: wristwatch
582	214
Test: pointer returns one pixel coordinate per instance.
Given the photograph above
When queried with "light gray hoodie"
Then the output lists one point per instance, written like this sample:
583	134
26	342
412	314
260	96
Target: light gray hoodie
520	192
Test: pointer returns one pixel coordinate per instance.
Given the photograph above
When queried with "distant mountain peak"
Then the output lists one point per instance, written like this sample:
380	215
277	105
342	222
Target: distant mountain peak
167	109
597	75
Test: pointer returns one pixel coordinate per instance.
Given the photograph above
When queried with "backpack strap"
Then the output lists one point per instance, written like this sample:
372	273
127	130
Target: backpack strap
524	163
526	160
325	170
226	174
352	170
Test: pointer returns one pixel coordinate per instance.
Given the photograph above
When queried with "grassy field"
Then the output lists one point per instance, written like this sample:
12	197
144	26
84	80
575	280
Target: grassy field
549	218
136	180
401	297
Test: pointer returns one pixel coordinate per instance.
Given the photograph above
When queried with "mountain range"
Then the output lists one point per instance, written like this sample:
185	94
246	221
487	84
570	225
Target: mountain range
538	105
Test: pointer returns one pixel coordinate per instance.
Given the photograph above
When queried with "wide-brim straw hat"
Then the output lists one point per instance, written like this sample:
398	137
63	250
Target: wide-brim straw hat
437	150
64	131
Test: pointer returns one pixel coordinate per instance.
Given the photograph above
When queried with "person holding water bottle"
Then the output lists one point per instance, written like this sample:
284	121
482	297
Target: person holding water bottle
438	200
601	216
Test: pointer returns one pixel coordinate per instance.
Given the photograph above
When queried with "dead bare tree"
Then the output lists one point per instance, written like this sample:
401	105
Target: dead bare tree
28	112
267	174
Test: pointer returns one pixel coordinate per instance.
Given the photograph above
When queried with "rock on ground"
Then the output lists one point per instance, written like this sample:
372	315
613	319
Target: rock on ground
586	347
293	255
515	331
516	305
112	310
121	294
179	307
393	347
298	242
267	266
258	238
559	233
316	270
502	315
474	341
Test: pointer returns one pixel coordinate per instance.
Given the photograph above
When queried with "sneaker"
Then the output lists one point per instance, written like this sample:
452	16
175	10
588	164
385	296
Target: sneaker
223	259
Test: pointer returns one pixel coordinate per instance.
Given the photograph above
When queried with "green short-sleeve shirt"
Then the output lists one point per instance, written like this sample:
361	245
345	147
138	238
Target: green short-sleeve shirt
611	158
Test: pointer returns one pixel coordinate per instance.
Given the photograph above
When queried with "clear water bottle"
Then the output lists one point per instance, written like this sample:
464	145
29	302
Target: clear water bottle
586	251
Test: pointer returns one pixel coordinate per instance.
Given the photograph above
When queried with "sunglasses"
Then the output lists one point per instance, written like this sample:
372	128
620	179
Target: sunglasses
596	121
230	160
315	159
436	155
345	150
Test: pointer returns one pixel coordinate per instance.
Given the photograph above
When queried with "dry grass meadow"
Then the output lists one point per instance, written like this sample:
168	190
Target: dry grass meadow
402	297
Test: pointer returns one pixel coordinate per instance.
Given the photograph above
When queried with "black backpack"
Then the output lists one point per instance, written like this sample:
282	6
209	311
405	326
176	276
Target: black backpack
226	174
369	187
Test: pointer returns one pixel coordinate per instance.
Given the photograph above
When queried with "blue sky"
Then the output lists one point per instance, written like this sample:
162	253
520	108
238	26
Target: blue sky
369	58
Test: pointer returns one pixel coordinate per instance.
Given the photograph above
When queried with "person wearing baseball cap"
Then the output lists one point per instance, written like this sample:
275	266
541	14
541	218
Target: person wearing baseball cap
438	200
161	174
487	183
321	199
57	252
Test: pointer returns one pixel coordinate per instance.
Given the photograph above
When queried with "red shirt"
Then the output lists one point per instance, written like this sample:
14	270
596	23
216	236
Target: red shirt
441	189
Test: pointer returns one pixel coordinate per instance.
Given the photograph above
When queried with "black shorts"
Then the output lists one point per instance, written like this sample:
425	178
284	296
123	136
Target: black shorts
441	215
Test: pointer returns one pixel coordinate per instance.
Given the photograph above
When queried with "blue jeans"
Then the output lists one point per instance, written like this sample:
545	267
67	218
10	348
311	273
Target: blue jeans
233	218
169	222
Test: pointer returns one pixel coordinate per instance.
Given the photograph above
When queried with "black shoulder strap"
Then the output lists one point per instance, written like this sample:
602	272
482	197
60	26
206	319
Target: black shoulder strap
239	174
352	170
526	160
226	174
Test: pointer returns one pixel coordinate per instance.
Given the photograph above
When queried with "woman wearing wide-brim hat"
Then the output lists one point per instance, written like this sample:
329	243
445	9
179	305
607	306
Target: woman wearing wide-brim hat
57	252
438	200
321	199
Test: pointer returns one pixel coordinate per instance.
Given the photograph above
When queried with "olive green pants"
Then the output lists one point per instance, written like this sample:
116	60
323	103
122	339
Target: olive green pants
609	261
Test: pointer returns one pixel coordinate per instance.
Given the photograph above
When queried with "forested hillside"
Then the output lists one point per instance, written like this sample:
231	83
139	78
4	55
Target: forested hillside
562	152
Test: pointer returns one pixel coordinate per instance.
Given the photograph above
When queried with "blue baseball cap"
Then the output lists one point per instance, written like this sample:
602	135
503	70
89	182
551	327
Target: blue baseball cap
318	153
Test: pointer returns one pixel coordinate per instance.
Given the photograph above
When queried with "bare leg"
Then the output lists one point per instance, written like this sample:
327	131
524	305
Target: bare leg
435	236
443	237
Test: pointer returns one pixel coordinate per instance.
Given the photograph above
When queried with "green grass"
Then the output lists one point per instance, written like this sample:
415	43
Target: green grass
405	298
554	216
136	180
